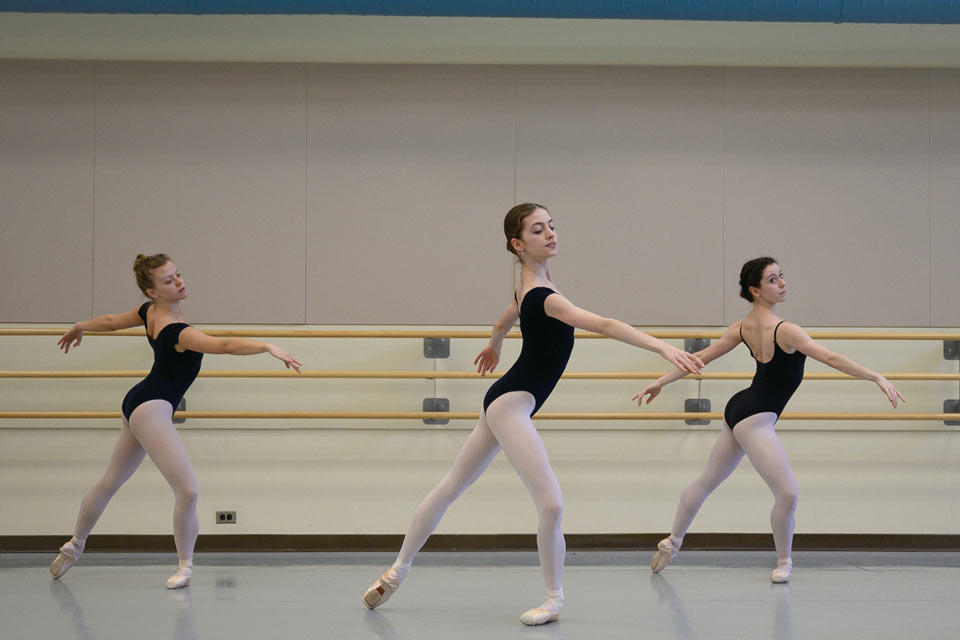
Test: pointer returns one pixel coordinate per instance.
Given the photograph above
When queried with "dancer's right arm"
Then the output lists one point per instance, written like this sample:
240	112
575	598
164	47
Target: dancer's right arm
727	342
490	355
109	322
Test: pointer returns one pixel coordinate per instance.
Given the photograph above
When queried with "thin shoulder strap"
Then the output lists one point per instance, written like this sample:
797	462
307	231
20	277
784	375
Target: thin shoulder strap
745	342
775	331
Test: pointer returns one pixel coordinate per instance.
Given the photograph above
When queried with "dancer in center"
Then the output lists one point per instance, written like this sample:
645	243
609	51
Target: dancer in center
547	321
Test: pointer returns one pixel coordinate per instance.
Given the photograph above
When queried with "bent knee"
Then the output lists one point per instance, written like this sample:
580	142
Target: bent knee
110	484
187	493
788	497
551	510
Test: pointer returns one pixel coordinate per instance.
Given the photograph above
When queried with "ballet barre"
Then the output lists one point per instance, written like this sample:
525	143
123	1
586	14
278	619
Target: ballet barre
419	333
472	415
449	375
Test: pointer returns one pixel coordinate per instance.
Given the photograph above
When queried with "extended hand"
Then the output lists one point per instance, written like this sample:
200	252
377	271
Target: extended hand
653	390
893	394
288	360
72	335
683	360
487	360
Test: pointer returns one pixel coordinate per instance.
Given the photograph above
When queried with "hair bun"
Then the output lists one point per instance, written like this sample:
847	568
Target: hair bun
143	264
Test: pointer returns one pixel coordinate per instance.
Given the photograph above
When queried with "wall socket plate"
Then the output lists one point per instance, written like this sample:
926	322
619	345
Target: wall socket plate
226	517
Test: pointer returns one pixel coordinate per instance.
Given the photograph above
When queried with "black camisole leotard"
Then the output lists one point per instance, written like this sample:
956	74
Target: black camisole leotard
773	384
172	373
547	344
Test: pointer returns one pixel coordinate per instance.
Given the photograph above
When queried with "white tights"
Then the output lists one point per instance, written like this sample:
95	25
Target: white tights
506	424
756	437
150	431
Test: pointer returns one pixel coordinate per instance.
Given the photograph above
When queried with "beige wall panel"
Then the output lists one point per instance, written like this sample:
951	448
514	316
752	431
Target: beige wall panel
629	162
207	163
945	197
46	190
828	171
410	175
320	482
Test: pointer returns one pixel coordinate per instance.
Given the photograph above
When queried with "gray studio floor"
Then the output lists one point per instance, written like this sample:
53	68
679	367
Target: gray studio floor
481	595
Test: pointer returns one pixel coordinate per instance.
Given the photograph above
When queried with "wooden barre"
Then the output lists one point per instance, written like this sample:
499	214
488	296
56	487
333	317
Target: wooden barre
453	415
419	333
449	375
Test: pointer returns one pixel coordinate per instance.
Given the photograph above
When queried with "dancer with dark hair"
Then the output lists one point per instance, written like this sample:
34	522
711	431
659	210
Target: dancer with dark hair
547	320
147	409
780	349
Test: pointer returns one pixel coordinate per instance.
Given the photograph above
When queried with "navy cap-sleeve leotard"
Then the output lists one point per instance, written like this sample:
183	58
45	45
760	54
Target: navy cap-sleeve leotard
773	384
547	344
172	373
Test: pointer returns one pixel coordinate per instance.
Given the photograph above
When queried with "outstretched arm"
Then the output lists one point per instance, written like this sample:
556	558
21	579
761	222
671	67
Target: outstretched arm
109	322
556	306
490	356
791	335
196	340
726	343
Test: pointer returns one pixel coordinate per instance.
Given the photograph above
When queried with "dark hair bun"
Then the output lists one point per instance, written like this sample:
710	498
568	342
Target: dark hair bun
751	273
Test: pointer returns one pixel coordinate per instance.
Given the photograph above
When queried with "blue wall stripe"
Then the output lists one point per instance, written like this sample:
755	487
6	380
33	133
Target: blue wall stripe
874	11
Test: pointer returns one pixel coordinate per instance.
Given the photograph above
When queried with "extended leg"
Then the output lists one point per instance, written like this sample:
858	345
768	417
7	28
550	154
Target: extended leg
723	459
475	456
127	456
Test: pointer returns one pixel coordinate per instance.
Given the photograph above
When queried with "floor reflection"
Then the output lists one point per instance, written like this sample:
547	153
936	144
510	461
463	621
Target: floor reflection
683	629
183	626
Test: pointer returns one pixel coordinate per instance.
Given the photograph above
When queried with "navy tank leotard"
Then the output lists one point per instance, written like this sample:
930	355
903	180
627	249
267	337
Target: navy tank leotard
773	384
172	373
547	344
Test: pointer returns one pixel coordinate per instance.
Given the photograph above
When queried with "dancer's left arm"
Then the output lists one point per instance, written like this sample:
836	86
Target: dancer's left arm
792	335
556	306
196	340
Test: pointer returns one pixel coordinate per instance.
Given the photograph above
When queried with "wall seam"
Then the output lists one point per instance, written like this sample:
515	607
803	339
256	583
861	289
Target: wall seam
930	197
516	154
516	130
306	179
723	193
93	216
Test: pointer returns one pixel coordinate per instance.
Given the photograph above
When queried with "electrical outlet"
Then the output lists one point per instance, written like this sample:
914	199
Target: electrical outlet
226	517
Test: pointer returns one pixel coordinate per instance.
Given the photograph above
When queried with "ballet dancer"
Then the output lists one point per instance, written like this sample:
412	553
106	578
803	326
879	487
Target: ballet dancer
547	320
147	409
780	349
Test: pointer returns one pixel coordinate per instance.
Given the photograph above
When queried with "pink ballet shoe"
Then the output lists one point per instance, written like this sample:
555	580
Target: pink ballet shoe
782	573
666	551
69	554
381	590
180	579
535	617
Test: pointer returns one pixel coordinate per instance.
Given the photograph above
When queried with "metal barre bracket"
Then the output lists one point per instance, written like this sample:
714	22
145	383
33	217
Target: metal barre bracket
693	345
180	407
436	404
951	349
696	405
951	406
436	348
